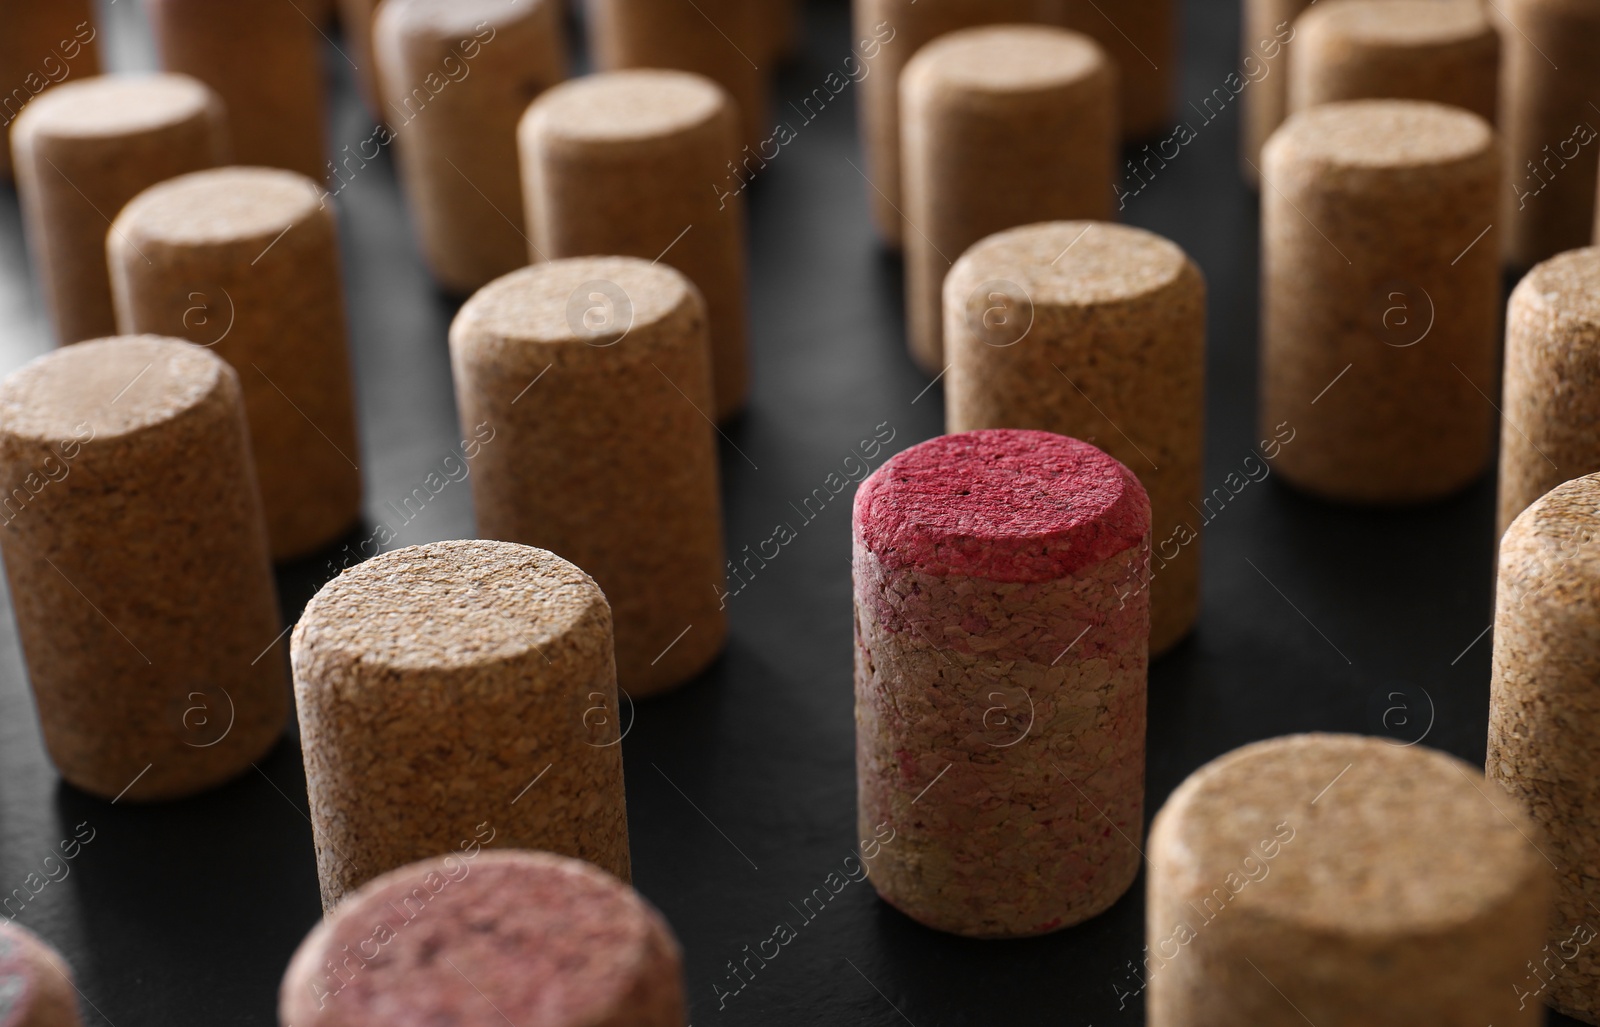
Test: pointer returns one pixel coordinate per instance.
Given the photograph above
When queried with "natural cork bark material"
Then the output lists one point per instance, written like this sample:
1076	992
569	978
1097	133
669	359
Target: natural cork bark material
595	375
1551	430
1379	286
136	551
482	939
627	164
1542	708
36	988
1445	51
1001	653
246	261
1096	331
44	44
1269	33
1142	43
1345	882
264	58
458	146
355	25
1002	126
82	151
453	689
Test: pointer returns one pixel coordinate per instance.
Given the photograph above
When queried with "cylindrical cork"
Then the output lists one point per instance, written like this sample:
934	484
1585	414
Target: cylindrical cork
458	145
1552	386
888	34
1543	720
1379	287
594	374
246	261
264	58
36	988
136	550
1096	331
482	939
82	151
1002	627
1001	126
635	164
782	30
723	40
454	689
1445	51
1345	882
1549	82
43	45
1142	43
1261	86
355	24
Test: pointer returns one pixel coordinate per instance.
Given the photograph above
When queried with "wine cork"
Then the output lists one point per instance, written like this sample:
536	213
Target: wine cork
82	151
1001	655
1142	43
246	261
136	551
595	374
482	939
1552	389
782	29
723	40
355	21
1380	287
1263	87
627	164
502	656
889	33
1341	880
1542	720
1444	51
264	58
1549	83
36	988
458	146
1002	126
43	45
1096	331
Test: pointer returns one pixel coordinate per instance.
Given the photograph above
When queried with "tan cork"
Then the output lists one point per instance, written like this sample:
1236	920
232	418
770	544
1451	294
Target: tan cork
483	939
1002	126
1142	42
446	687
264	58
1268	37
1549	81
1380	284
355	22
781	30
1345	882
594	374
1552	387
82	151
1096	331
246	261
43	45
36	988
136	551
1542	708
458	75
629	164
1445	51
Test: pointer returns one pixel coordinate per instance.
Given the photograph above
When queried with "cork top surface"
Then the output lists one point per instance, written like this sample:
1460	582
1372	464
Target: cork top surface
1001	504
1384	134
1400	23
1567	284
109	106
17	984
1565	520
448	605
1076	263
221	205
118	386
512	936
624	106
1377	838
449	18
1009	59
575	301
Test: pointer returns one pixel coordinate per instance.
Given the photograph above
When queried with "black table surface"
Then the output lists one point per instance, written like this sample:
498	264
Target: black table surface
741	786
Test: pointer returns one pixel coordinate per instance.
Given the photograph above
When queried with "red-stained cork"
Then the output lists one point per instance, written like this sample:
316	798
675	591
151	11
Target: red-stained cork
36	988
482	939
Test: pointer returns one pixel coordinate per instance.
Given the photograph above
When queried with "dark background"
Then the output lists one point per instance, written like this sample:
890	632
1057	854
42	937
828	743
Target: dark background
741	786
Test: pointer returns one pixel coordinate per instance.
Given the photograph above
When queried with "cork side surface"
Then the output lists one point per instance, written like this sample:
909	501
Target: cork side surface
36	987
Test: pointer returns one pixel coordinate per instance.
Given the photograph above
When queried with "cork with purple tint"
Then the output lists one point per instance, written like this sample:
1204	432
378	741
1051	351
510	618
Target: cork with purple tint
1002	644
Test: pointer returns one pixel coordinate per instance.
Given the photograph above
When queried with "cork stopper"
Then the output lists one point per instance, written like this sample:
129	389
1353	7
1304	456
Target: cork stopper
1000	62
1388	137
1077	263
44	44
109	107
1143	44
226	207
481	939
625	110
36	988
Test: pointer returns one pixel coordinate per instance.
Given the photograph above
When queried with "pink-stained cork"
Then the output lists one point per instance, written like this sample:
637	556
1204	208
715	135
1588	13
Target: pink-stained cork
36	988
1002	645
481	939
